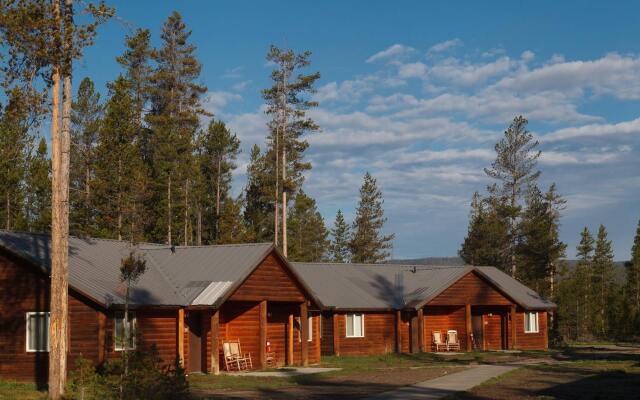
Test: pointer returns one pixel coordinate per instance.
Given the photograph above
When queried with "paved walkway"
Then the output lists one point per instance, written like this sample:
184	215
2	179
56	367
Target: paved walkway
445	385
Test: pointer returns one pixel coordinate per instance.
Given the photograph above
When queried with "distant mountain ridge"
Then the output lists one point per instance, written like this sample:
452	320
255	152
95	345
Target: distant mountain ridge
619	266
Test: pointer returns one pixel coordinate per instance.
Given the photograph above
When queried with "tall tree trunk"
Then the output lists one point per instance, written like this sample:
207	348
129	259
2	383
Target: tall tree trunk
513	230
199	229
169	213
8	205
277	191
284	161
119	201
217	226
87	176
58	329
186	212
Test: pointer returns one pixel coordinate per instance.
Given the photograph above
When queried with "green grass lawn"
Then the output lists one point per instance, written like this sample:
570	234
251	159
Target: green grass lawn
23	391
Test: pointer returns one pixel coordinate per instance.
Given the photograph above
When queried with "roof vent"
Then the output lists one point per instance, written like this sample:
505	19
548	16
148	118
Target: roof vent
173	249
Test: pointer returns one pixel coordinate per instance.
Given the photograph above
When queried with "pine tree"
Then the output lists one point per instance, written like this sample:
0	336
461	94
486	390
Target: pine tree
584	283
258	199
136	62
217	151
15	147
341	235
118	165
368	243
488	233
307	232
231	223
38	199
514	167
603	276
287	105
633	280
174	120
539	246
86	114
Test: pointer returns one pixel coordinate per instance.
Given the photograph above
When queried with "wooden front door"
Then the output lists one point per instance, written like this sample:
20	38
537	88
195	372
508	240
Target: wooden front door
195	342
477	323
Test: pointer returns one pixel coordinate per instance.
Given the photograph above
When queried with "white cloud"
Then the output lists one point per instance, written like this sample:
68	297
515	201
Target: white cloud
412	70
575	157
234	73
614	75
447	44
595	130
458	73
215	101
240	86
391	52
347	91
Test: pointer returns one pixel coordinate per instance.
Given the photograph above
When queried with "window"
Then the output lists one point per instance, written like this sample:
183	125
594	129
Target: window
530	322
310	319
355	325
37	331
119	334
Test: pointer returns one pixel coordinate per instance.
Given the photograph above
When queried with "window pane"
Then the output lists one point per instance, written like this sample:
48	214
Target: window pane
38	332
310	328
350	324
357	325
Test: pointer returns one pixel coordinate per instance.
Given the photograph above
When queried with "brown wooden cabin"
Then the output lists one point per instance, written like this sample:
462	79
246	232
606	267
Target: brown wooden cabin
375	309
187	303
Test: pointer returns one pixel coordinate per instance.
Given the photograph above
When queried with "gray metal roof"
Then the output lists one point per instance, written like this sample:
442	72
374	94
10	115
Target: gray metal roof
387	286
179	278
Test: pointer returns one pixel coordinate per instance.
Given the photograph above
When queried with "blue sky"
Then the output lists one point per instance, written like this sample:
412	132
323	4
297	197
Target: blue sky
419	92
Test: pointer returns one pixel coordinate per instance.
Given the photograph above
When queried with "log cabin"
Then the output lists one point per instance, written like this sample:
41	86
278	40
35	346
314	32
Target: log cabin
187	303
383	308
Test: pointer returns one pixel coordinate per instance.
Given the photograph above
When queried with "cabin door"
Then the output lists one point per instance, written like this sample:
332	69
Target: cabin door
478	331
195	342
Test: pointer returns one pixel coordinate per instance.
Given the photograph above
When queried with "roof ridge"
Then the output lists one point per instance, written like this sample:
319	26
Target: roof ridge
381	265
167	278
85	237
167	247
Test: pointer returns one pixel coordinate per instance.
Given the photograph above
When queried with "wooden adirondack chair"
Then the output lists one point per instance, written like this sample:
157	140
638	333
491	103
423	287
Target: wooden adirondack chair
234	359
437	342
453	342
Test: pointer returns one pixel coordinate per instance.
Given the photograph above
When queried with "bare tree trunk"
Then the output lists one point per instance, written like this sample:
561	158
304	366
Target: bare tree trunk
199	229
119	199
284	161
186	212
284	206
8	221
87	193
277	191
513	231
169	214
58	329
217	226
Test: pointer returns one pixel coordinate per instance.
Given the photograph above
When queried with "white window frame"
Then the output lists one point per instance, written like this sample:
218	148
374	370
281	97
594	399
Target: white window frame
134	324
310	327
535	317
27	326
346	325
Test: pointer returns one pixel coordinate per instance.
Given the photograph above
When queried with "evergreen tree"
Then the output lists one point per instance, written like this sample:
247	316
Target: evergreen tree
217	151
603	275
633	280
38	199
539	245
136	62
514	168
231	223
488	233
118	166
307	233
174	119
287	104
258	199
341	235
86	114
584	283
15	147
368	243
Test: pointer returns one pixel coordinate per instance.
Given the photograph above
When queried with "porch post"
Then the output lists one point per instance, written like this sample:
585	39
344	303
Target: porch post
467	314
398	331
215	342
304	332
181	336
263	333
102	335
336	334
317	337
421	345
513	327
290	340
